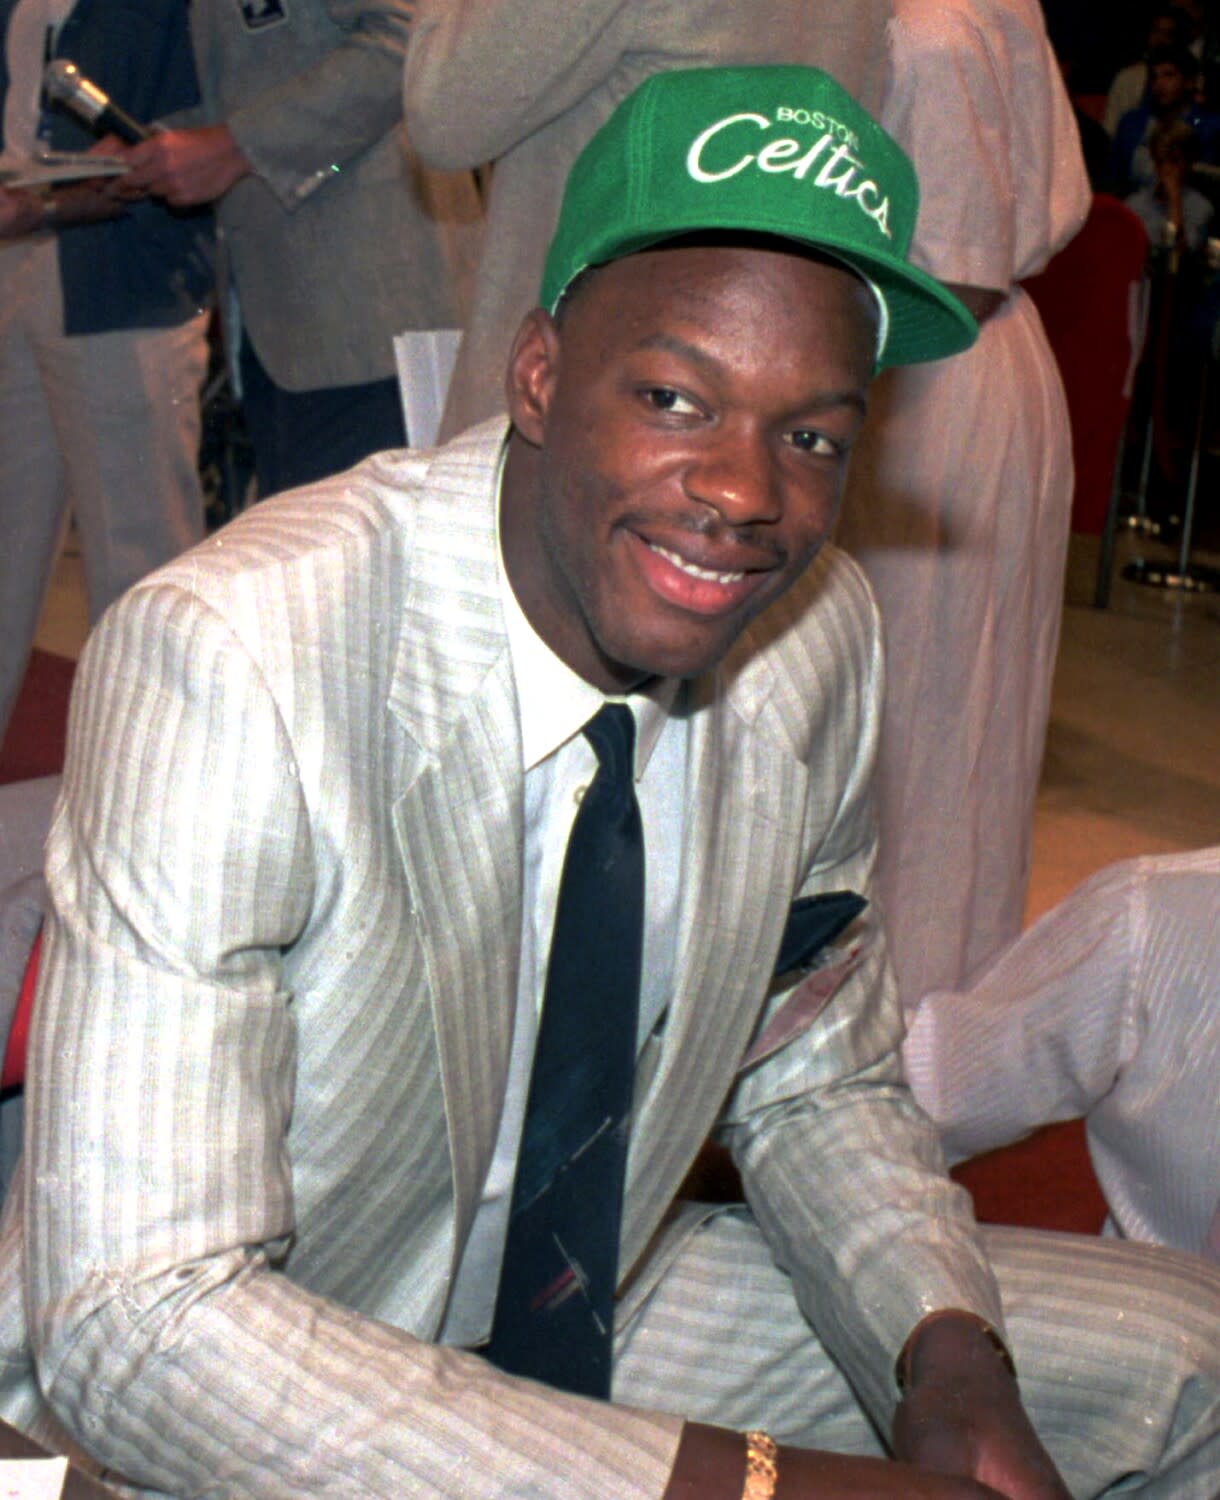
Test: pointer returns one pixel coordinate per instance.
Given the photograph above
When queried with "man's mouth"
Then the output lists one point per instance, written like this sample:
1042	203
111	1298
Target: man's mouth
692	570
695	587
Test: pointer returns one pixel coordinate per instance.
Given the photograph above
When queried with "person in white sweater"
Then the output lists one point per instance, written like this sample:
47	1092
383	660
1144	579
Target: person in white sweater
1109	1007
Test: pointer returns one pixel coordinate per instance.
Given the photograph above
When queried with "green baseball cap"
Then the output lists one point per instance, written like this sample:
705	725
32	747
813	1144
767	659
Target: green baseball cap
779	151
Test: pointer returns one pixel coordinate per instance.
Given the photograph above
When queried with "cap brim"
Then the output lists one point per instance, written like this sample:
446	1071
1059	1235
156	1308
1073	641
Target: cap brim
926	322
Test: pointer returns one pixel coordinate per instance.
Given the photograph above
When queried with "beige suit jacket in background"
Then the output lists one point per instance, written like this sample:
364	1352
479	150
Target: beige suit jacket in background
275	1011
340	240
525	83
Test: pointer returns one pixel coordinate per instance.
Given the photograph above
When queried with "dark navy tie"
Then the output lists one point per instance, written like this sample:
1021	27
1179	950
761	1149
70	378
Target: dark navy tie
555	1309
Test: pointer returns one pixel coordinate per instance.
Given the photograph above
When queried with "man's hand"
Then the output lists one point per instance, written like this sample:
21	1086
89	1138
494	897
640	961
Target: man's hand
711	1466
962	1413
21	212
185	167
960	1433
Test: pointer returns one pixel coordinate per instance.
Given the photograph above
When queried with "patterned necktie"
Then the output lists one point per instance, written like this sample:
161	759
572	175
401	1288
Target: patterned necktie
555	1309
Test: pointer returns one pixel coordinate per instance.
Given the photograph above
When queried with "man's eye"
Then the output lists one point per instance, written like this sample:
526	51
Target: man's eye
665	398
807	440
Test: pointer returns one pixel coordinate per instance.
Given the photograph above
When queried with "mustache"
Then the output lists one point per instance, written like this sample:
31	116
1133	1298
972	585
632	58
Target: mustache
712	530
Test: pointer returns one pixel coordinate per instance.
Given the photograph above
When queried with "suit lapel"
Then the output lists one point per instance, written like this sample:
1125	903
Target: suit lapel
739	870
460	830
459	821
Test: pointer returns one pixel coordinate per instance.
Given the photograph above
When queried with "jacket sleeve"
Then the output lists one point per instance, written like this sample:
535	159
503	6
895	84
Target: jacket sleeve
299	132
168	1337
840	1167
482	75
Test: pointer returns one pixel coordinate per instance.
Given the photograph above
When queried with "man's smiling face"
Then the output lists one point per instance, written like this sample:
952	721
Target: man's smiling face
679	449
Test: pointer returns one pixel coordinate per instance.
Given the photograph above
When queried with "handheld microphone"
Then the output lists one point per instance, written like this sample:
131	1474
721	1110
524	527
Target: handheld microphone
65	83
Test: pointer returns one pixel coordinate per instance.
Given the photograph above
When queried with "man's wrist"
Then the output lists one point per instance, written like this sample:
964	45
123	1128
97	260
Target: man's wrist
950	1335
716	1463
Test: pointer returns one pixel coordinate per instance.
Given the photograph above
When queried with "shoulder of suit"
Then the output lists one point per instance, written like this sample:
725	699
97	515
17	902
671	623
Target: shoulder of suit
366	519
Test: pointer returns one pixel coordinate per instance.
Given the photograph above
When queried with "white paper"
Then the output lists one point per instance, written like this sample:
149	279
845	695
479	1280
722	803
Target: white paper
32	1478
424	358
63	166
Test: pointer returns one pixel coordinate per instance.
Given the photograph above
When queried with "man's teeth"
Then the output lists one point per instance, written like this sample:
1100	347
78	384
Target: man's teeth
689	568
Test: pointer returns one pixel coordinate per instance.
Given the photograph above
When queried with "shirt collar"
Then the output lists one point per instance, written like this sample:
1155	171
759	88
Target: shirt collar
555	702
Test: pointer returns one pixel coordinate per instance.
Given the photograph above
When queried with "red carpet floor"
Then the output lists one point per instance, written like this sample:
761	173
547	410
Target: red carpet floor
1045	1181
34	744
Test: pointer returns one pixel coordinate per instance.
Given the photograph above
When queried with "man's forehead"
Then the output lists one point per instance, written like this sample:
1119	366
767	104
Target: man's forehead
702	276
710	262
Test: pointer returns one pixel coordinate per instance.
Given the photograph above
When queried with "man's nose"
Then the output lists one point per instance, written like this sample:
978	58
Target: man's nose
735	473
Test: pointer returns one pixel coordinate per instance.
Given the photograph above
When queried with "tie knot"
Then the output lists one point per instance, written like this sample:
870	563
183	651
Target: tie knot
611	732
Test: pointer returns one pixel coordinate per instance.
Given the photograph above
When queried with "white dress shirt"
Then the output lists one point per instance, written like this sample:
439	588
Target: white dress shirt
559	763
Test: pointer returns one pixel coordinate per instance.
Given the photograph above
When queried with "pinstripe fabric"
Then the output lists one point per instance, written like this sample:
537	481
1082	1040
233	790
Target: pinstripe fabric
1109	1007
273	1026
1118	1349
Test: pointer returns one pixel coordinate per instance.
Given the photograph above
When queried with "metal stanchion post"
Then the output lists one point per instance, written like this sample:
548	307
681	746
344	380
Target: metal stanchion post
1185	575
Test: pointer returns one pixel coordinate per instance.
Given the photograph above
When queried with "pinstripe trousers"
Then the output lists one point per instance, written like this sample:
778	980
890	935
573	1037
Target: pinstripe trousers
1117	1348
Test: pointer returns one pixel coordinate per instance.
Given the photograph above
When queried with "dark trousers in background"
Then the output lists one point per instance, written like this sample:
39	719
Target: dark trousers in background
301	436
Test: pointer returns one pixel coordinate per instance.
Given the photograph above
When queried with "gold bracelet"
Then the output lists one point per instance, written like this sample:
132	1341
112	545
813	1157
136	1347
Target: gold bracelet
762	1467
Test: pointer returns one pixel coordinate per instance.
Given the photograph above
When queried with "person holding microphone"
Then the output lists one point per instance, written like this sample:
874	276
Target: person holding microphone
102	324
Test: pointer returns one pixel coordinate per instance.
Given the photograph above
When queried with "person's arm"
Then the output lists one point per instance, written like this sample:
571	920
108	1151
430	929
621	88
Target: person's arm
983	114
25	212
160	1211
843	1171
711	1465
961	1411
1042	1033
482	75
187	167
21	212
297	134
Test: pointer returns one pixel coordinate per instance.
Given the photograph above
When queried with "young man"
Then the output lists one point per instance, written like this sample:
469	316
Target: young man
297	1018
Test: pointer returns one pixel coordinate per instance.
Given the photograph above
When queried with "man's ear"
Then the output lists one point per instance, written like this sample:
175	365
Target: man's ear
533	368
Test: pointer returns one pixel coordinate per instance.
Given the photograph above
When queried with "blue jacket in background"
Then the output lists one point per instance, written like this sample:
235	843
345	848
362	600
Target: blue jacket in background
153	267
1131	129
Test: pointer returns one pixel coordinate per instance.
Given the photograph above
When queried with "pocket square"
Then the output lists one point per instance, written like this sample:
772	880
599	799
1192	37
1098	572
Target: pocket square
813	922
802	1007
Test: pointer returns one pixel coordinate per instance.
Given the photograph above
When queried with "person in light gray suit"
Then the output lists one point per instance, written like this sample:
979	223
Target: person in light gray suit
334	239
304	870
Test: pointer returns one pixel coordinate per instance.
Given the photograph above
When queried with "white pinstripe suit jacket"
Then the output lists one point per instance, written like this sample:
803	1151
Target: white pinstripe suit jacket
274	1018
